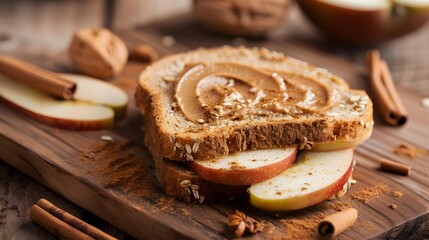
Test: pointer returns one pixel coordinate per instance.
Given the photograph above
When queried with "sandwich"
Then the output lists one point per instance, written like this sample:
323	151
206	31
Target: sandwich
228	123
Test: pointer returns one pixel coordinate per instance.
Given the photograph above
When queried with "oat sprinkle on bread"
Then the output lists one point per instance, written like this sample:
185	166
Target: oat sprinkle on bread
210	103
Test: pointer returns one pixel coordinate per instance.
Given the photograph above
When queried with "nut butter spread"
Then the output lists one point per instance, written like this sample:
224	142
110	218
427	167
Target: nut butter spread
233	91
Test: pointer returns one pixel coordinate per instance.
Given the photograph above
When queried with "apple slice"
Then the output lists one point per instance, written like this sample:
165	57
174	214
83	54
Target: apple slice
58	113
361	4
315	177
366	22
246	168
339	145
98	92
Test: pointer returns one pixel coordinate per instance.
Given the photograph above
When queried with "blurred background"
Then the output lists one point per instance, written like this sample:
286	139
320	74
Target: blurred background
45	27
42	29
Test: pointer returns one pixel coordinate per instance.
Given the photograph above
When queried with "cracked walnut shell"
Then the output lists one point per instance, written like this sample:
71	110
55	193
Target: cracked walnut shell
241	17
98	53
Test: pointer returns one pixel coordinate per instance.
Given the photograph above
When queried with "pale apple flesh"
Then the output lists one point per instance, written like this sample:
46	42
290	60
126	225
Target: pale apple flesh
314	177
341	144
99	92
58	113
245	168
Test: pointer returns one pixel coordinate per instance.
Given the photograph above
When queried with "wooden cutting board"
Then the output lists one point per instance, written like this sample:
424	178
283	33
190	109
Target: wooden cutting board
114	180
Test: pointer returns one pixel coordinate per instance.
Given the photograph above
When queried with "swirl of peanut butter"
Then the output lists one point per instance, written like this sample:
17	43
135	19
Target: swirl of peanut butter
233	91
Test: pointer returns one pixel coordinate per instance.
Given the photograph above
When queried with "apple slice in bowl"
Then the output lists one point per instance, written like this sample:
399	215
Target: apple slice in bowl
246	168
366	22
314	177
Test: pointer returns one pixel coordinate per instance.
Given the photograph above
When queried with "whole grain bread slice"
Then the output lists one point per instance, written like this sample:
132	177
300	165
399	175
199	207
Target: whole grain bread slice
179	182
169	135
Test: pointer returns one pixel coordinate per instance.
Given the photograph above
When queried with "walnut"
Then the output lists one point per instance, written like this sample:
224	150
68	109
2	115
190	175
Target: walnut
241	17
98	53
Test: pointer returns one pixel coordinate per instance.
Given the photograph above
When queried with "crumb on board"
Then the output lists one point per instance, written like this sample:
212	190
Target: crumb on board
425	102
397	194
339	205
407	150
168	41
392	206
106	138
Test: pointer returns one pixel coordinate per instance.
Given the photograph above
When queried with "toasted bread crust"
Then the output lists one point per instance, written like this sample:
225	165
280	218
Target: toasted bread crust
165	143
170	174
221	140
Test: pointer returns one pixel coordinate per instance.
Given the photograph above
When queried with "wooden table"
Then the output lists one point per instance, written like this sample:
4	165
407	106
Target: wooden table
407	57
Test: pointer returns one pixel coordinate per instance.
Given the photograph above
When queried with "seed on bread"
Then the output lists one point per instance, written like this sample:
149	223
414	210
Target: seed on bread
179	145
177	66
244	51
261	137
367	125
189	157
354	98
266	54
305	144
195	191
331	114
342	192
195	147
185	183
174	104
363	100
188	149
231	83
169	78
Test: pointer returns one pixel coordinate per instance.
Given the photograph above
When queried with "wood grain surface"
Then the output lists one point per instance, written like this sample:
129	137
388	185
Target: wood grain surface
59	159
407	57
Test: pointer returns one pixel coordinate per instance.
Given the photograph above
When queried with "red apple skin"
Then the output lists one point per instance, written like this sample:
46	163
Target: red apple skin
317	196
61	122
243	177
326	193
361	27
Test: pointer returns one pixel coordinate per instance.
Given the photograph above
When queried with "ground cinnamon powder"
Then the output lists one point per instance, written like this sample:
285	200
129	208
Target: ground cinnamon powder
397	194
366	194
408	150
301	228
121	165
339	205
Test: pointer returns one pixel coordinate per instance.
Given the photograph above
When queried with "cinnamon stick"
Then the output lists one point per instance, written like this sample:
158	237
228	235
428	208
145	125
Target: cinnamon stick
336	223
395	167
37	77
56	226
63	224
387	98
